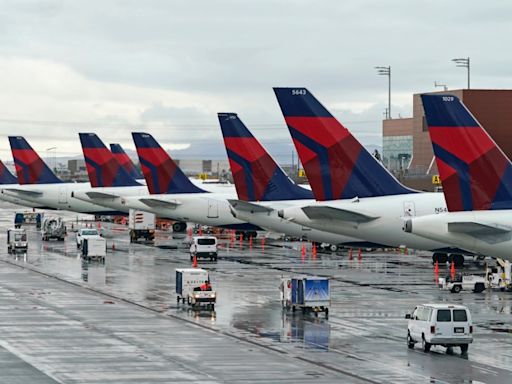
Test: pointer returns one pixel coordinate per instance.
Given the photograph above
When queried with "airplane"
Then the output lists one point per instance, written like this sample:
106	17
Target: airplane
336	163
39	185
263	188
477	182
171	194
7	179
125	161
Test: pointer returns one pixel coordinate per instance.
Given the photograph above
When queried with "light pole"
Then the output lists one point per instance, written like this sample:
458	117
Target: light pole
464	63
54	149
386	71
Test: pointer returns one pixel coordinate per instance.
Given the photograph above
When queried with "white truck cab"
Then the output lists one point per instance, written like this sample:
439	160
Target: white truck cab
85	233
17	240
205	247
464	282
448	325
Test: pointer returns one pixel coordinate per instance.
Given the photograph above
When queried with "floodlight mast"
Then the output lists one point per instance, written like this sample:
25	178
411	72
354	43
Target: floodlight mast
386	71
464	63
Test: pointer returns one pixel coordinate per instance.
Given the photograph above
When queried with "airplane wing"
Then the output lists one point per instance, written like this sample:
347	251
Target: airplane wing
158	203
28	193
249	207
101	195
477	229
338	214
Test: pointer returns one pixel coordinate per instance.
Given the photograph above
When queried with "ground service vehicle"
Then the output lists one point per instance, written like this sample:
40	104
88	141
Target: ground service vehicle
461	282
440	324
21	218
53	228
85	233
204	247
94	248
311	294
17	240
498	276
141	225
188	287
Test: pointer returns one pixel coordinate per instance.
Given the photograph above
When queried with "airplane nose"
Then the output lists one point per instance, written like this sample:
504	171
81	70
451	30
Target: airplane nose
407	226
280	213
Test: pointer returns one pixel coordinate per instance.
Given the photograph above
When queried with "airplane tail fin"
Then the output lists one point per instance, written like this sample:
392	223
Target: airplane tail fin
475	173
102	167
124	160
162	174
337	165
30	168
6	177
256	175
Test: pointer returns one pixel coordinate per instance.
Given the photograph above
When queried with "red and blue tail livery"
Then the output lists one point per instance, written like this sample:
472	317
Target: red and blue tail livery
336	164
103	168
475	173
256	175
30	168
162	174
6	177
124	160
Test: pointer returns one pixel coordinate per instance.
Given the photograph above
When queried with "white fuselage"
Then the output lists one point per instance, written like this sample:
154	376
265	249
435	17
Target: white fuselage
493	244
55	196
206	208
273	222
389	212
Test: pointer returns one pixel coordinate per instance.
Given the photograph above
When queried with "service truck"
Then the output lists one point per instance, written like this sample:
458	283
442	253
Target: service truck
499	275
309	293
204	247
461	282
94	248
53	228
141	225
17	240
193	287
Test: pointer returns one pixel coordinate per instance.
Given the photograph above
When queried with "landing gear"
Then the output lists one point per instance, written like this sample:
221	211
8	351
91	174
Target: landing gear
457	259
179	226
440	257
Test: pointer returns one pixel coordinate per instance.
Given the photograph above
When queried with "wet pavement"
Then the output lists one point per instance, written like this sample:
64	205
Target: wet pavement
67	321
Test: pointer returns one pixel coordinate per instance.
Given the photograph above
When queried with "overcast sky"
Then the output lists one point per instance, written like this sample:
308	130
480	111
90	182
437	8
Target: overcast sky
167	67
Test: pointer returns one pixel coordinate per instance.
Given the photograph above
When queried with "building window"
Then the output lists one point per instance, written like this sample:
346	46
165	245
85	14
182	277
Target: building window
397	152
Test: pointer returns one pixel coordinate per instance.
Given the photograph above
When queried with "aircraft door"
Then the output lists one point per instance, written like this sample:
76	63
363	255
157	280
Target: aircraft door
409	210
213	209
63	195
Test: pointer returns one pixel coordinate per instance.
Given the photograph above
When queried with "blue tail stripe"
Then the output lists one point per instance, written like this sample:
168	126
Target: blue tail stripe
462	170
299	102
446	111
232	126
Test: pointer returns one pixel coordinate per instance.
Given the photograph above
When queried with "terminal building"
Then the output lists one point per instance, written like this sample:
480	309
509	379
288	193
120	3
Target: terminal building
407	150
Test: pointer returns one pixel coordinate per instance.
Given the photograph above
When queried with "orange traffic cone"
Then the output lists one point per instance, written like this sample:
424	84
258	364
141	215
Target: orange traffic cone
436	267
359	255
189	231
350	254
113	246
194	262
303	250
250	242
314	251
452	270
200	231
263	244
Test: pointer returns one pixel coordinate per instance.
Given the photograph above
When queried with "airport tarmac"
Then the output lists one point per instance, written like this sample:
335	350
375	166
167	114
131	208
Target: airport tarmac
66	321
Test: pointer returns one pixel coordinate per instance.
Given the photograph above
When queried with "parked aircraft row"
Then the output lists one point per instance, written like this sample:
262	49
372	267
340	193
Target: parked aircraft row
353	200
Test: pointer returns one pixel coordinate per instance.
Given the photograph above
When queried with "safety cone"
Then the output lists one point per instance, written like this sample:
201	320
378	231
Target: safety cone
452	270
314	251
436	267
350	254
303	251
189	231
359	255
200	231
263	244
250	242
232	240
113	246
194	262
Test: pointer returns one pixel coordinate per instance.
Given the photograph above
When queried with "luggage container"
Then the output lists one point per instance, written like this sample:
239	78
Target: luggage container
189	283
94	248
310	294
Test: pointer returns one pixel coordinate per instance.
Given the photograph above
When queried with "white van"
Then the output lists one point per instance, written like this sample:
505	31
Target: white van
440	324
204	246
